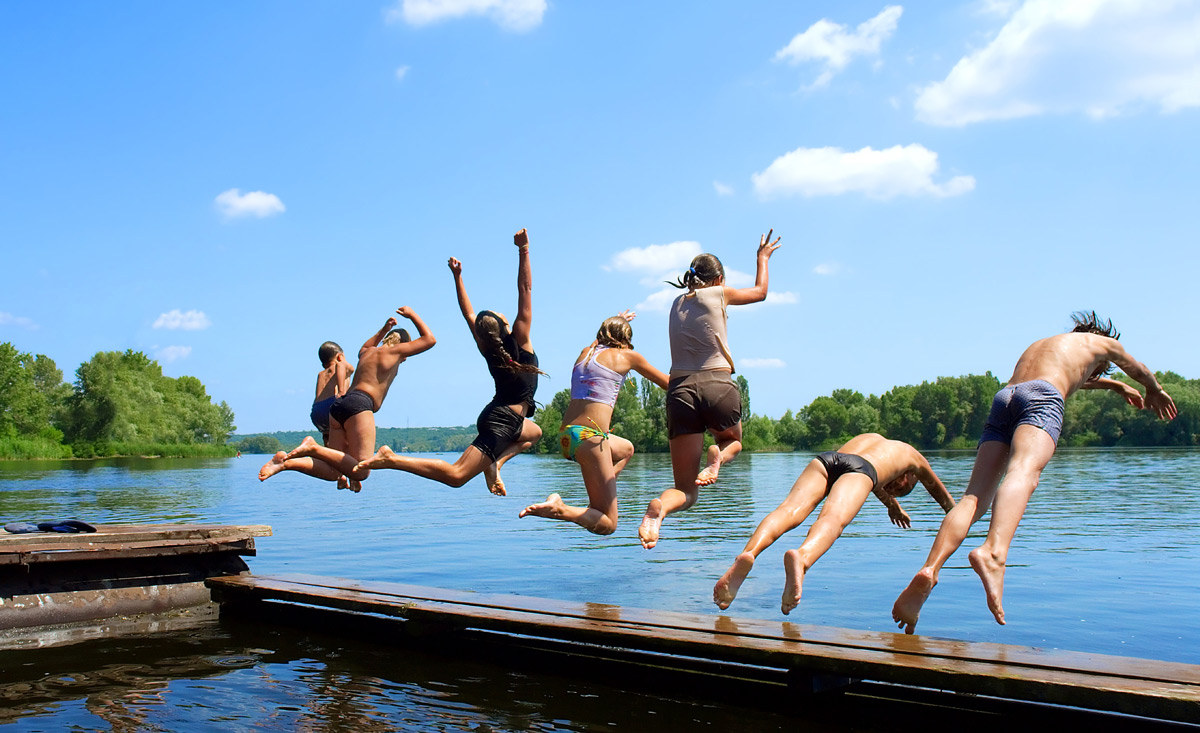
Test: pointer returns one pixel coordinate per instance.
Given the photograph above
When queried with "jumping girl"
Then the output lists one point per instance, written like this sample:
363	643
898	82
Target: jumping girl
596	381
701	394
504	425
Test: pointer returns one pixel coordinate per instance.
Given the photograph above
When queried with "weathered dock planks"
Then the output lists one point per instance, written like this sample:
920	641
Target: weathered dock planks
1151	689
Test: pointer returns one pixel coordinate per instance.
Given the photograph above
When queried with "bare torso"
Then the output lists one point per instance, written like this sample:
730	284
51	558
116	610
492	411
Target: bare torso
1065	361
327	380
891	458
376	369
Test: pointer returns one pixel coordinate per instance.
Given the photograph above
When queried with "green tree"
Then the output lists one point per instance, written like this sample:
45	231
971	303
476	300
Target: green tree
259	444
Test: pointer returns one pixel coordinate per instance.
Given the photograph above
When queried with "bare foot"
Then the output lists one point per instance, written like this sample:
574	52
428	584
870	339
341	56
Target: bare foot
272	467
727	587
709	474
551	508
355	485
343	482
907	607
381	459
793	583
304	449
495	484
648	531
991	572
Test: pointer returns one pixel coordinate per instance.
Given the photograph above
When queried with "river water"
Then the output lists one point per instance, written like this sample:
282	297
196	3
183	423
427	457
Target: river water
1105	561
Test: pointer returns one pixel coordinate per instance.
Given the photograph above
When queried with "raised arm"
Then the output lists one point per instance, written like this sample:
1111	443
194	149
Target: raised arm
372	342
424	340
1131	395
1156	398
341	374
745	296
522	324
464	302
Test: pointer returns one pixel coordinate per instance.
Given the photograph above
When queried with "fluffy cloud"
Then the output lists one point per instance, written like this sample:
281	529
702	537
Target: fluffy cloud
882	174
191	321
827	268
402	72
836	46
722	189
656	259
513	15
1100	57
8	319
234	204
768	363
168	354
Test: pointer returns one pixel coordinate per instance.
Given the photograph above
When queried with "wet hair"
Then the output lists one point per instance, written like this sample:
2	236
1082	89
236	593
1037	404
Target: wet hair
328	352
615	333
907	490
1089	322
705	270
491	333
396	336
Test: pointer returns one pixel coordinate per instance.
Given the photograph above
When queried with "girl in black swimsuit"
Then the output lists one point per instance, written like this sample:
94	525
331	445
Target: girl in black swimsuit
504	425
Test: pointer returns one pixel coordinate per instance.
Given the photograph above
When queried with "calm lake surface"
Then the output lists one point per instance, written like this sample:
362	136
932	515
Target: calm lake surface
1105	561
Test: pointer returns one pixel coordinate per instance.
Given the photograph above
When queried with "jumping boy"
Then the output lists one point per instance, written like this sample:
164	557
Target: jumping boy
331	384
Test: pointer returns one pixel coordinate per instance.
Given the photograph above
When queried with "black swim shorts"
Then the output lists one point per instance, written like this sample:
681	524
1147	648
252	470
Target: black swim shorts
702	401
839	464
499	427
350	404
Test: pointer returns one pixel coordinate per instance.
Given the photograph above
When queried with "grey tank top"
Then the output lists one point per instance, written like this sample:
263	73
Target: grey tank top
698	333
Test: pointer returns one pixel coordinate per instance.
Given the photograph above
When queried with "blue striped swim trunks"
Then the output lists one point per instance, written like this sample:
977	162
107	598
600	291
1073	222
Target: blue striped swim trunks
1035	403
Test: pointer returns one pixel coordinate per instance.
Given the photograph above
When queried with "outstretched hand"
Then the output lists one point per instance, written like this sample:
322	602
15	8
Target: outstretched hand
899	517
628	315
1162	404
765	246
521	238
405	311
455	266
1132	396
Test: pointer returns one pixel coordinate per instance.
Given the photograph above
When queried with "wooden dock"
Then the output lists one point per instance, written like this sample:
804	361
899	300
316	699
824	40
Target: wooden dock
808	658
48	579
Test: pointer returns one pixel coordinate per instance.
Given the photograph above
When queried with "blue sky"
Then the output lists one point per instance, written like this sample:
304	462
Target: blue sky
226	186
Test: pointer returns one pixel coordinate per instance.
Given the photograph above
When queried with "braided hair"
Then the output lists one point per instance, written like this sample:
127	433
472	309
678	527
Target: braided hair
615	333
704	271
491	333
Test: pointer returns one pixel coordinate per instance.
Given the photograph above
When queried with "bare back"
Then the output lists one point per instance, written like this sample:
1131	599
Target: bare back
328	378
1066	360
377	368
891	458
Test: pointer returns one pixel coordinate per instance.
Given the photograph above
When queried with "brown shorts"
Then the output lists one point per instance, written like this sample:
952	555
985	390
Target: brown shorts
702	401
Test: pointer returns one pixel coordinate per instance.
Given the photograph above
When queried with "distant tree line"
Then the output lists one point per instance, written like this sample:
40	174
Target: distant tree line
415	440
119	404
947	413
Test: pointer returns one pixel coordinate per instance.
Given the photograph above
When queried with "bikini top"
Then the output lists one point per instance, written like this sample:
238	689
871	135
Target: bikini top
594	382
698	332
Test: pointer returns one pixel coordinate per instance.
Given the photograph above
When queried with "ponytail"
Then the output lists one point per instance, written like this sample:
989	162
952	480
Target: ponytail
704	271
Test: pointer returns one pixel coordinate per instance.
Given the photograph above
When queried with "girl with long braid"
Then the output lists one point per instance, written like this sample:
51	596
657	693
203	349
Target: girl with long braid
702	395
504	426
596	381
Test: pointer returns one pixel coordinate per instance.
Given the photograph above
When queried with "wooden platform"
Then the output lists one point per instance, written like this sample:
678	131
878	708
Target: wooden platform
1152	689
51	579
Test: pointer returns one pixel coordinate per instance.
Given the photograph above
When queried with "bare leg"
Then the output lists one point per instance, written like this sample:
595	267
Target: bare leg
846	498
600	516
805	495
469	465
685	455
530	434
343	463
309	466
622	451
989	465
1032	449
727	447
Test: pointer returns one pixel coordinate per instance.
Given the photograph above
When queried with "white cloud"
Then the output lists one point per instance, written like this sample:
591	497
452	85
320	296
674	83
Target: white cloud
827	268
768	363
658	301
513	15
234	204
1099	57
8	319
193	320
655	258
168	354
897	171
832	43
402	72
722	189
